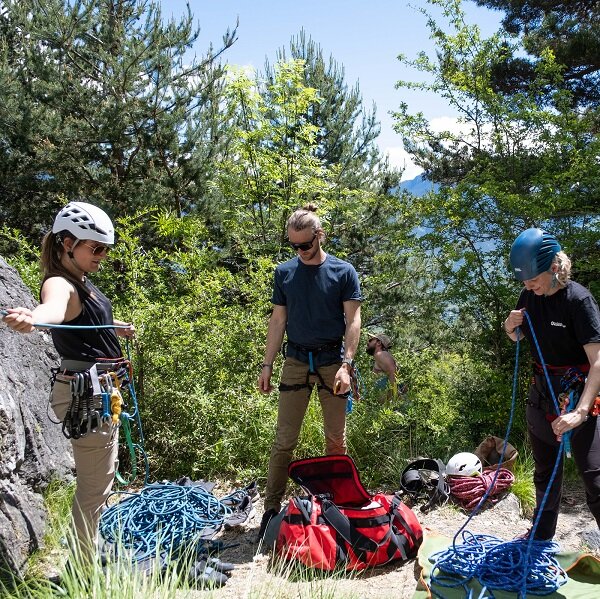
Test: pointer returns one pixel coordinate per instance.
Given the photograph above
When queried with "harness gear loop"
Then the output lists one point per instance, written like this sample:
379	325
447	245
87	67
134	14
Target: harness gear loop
306	385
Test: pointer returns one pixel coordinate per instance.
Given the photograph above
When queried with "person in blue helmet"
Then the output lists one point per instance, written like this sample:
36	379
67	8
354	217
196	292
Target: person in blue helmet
566	322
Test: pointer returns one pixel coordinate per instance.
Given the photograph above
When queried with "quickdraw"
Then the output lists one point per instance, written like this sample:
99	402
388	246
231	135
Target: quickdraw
104	395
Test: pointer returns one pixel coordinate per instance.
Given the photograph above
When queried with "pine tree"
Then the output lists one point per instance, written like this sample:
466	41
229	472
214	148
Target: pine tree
568	28
104	103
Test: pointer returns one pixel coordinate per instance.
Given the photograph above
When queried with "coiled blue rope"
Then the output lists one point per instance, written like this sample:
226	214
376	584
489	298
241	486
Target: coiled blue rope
162	519
522	566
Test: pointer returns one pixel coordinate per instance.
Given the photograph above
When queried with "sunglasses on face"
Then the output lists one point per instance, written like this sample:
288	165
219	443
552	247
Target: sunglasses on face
98	250
304	246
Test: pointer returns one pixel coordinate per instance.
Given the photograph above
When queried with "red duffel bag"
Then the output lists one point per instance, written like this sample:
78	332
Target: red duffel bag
339	524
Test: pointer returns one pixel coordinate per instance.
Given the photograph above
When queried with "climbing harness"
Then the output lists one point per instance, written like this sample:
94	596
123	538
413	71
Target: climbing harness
97	399
523	566
104	395
424	479
354	394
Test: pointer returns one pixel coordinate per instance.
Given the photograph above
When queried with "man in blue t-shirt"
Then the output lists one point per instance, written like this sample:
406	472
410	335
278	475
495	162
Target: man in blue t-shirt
316	302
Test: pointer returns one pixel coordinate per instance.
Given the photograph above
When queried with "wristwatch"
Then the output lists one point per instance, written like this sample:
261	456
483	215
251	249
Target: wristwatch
348	361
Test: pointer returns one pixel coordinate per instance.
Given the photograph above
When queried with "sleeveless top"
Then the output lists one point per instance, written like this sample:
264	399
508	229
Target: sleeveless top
88	344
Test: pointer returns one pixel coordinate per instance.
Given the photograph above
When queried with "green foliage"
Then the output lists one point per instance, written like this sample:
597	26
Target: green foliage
523	486
21	255
569	29
510	163
99	102
203	170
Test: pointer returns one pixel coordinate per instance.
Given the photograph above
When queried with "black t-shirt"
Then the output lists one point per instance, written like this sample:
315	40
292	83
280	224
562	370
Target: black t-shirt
563	323
88	344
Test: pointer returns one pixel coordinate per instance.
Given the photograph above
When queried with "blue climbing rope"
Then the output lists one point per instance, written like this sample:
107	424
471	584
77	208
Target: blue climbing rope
162	519
523	566
45	325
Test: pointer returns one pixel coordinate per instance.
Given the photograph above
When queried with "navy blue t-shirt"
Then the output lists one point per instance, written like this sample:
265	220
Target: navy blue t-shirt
563	323
314	296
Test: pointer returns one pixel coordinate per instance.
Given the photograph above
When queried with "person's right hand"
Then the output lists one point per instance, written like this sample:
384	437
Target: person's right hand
264	380
514	320
19	319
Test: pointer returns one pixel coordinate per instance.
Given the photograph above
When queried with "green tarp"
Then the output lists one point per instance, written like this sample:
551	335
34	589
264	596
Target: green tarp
583	570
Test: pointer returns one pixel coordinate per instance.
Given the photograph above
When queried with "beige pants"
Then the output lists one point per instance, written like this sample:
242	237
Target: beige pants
95	461
292	408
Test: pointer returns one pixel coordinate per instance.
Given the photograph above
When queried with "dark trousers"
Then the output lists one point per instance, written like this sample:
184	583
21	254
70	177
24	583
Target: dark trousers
585	449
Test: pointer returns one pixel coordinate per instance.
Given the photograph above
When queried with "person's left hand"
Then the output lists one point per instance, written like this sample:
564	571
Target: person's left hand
341	382
128	333
567	422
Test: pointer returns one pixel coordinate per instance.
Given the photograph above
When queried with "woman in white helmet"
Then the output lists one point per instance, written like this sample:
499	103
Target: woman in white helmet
80	239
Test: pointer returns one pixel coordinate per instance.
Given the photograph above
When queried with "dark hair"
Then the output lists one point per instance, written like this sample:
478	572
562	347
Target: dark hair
51	257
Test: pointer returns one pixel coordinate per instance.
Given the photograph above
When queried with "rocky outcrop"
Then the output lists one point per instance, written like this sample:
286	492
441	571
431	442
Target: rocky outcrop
32	448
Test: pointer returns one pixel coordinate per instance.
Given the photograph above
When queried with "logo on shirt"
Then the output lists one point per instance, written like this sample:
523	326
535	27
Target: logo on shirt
558	324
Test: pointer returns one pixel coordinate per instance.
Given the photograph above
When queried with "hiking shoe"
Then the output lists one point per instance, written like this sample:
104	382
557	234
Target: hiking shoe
204	576
252	490
223	567
237	496
264	523
242	513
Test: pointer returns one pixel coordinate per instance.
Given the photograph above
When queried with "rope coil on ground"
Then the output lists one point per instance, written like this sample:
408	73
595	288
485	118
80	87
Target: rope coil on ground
162	518
469	490
500	565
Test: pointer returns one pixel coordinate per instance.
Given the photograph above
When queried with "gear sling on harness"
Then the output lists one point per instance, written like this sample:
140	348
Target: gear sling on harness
98	398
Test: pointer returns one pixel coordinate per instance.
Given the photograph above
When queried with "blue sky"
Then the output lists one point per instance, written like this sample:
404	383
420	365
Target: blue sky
365	36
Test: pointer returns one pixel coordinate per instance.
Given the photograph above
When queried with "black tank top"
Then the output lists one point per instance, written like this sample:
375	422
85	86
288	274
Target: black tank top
88	344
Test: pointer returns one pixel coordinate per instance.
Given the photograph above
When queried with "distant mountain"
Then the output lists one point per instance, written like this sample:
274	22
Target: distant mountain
419	185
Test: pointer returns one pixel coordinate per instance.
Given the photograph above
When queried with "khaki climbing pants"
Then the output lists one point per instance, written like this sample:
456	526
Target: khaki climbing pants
95	461
292	408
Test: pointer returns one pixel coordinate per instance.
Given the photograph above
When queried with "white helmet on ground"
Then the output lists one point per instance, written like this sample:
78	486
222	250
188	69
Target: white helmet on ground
464	464
85	221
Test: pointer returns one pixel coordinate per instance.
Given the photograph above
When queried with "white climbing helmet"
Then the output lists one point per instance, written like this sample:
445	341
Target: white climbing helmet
85	221
464	464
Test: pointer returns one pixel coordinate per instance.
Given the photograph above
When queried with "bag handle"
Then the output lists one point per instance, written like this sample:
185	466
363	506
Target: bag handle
340	522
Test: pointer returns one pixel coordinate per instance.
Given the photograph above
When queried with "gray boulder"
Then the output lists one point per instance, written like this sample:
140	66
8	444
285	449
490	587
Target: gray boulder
33	450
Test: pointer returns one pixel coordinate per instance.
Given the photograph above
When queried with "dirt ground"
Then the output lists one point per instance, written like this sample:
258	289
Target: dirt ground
254	577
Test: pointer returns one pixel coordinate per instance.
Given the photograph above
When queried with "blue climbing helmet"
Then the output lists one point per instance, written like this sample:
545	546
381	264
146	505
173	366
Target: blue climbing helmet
532	253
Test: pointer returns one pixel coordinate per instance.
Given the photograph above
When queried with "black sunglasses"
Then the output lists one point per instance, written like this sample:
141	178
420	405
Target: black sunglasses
305	245
97	250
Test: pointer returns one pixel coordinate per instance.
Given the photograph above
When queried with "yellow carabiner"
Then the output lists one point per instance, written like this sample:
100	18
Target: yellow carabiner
116	405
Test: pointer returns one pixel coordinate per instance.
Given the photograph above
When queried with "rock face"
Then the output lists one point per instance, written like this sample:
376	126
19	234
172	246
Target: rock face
32	448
